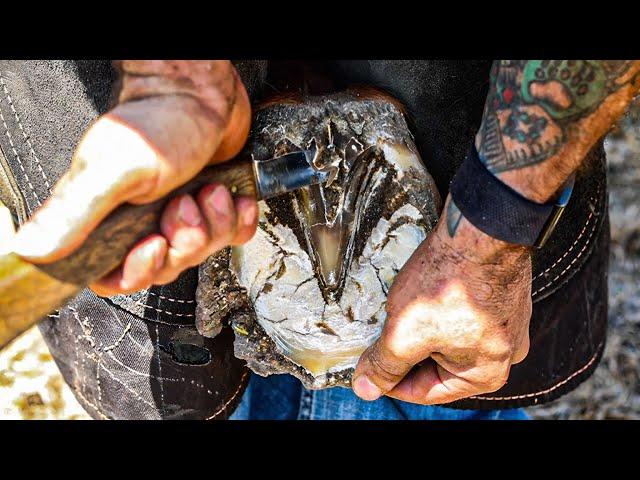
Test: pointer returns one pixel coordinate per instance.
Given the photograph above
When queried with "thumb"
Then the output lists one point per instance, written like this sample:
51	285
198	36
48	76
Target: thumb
111	164
138	152
379	369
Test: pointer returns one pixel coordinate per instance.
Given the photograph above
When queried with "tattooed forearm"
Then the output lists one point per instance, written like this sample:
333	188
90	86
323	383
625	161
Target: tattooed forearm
541	117
533	104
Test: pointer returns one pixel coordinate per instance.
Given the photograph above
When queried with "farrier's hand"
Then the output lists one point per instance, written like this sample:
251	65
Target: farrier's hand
172	119
458	318
459	309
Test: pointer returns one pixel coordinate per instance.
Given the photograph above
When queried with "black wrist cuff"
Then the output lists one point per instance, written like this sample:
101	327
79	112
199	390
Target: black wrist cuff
498	210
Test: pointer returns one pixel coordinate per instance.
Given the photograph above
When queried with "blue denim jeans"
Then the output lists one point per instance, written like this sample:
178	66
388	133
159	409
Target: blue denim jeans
282	397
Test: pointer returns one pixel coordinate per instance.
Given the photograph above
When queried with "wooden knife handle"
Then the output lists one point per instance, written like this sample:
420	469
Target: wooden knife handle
108	244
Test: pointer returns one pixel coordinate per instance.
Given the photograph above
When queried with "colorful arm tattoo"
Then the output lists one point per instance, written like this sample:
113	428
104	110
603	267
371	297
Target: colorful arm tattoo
548	111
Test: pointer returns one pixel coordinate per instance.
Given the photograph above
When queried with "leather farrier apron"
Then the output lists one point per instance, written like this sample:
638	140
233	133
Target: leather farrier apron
164	368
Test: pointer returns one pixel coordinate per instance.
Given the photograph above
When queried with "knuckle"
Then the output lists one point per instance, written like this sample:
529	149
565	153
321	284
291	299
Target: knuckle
243	236
496	384
522	352
504	356
181	260
191	245
399	338
173	207
386	367
198	244
396	348
223	227
497	350
495	378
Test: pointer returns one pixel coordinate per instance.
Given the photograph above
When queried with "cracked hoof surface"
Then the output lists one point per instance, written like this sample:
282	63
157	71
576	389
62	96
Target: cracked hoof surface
307	294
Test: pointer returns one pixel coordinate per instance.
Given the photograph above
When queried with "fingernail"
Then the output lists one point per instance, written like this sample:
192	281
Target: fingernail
188	211
153	252
219	201
249	215
158	257
366	389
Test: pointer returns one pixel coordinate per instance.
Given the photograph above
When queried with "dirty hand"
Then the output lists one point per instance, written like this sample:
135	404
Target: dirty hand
458	318
172	119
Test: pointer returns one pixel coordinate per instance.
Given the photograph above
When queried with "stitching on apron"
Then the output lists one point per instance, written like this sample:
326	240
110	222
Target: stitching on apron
582	232
100	414
155	377
176	300
44	176
593	230
75	314
74	385
15	152
550	389
127	387
235	394
144	319
159	310
570	248
162	406
160	378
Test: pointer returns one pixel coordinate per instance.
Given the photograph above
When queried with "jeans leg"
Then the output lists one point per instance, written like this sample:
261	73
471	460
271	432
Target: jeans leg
276	397
282	397
343	404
